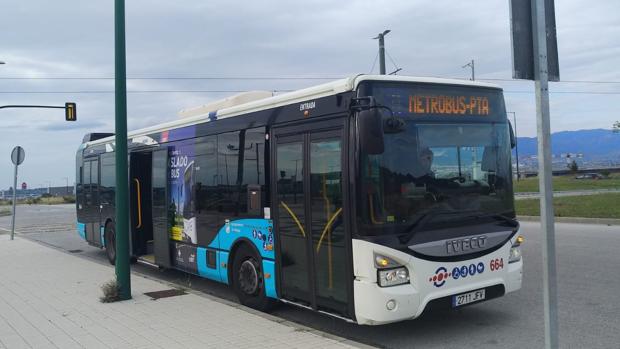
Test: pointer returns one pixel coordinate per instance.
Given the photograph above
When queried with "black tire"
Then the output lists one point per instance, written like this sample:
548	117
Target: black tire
248	279
110	242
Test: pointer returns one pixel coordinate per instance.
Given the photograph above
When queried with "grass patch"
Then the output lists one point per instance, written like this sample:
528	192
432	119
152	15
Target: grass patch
110	292
588	206
566	183
53	200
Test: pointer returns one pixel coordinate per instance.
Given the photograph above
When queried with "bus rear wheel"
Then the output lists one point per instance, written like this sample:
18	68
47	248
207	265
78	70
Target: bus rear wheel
110	242
248	279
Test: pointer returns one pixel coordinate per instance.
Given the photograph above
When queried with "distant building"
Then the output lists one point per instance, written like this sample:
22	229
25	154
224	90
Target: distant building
37	192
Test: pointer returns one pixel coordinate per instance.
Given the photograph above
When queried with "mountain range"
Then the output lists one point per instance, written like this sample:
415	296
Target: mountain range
593	144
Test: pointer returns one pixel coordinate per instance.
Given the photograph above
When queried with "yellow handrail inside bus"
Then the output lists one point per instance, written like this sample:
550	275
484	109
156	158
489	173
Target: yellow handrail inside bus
301	228
139	203
327	227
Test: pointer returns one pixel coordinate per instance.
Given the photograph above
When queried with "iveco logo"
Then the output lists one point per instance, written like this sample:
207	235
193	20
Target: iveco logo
467	244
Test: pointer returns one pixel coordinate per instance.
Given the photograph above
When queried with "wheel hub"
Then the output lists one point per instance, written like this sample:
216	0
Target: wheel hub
248	277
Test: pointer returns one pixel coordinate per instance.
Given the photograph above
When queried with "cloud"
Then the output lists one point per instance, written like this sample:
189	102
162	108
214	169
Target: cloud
267	39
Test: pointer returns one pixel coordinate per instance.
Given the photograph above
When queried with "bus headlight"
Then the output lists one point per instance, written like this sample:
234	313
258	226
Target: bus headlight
393	277
515	250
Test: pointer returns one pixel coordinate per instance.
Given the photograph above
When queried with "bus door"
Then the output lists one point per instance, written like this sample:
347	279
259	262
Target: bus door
309	214
140	202
92	206
159	195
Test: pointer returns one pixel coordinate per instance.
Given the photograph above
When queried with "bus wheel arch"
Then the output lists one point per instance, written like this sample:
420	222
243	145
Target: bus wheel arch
246	276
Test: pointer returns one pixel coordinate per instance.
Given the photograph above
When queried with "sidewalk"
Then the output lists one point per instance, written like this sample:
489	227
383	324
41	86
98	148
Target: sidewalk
50	299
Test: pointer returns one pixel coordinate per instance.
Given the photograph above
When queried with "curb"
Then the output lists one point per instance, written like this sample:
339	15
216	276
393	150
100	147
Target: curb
578	220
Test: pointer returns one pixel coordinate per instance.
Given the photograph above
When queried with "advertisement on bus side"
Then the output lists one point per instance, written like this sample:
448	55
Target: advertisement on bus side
181	184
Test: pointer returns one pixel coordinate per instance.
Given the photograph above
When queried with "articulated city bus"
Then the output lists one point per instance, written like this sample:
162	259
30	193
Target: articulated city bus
368	198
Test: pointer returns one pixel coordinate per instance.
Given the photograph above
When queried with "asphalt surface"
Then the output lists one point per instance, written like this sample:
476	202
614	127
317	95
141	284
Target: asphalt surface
588	290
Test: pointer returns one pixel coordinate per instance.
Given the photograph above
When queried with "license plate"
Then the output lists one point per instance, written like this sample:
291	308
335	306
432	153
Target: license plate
466	298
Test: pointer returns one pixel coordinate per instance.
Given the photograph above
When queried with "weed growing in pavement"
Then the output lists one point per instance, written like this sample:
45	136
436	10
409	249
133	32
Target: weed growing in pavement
110	292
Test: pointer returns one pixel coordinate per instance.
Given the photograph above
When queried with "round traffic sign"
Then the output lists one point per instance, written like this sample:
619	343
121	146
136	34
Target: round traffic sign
17	155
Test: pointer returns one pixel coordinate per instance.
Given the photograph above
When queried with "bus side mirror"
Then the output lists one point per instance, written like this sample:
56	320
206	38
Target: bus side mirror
513	140
370	127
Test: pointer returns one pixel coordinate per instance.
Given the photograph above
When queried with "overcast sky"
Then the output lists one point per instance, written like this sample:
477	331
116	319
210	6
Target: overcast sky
42	39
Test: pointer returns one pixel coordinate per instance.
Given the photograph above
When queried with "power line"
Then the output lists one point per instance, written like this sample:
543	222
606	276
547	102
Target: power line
275	91
565	81
373	63
273	77
182	78
134	91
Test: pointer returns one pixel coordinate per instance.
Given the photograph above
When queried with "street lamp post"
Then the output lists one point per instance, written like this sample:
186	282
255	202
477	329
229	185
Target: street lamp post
66	184
381	36
514	118
472	66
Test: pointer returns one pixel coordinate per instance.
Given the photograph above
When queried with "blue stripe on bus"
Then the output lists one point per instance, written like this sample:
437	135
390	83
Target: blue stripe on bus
81	228
269	268
203	269
257	230
101	235
223	266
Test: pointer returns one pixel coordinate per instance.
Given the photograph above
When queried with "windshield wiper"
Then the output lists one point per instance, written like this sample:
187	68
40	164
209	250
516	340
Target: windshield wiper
499	217
406	236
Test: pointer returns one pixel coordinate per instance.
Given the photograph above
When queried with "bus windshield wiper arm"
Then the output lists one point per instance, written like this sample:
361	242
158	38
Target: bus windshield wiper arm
499	217
406	236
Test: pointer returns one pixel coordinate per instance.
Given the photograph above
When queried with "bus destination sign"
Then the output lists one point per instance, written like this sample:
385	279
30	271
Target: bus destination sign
449	105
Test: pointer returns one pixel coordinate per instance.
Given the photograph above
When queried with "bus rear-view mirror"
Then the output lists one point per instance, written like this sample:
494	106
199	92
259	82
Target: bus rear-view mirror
370	125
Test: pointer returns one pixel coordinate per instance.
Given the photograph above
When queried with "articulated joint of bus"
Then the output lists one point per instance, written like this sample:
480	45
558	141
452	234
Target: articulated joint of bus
391	285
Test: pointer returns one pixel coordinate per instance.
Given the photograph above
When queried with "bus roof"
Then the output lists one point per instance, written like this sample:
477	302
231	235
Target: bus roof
314	92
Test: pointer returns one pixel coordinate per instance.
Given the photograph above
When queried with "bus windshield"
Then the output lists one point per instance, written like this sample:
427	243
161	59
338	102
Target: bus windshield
449	169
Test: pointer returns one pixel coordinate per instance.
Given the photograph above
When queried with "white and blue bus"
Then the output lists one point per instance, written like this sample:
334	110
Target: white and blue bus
368	198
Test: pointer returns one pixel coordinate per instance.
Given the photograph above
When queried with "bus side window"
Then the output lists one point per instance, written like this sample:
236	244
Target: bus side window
86	183
79	195
253	184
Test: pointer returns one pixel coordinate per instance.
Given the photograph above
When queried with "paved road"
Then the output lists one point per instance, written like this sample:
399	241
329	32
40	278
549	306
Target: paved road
589	286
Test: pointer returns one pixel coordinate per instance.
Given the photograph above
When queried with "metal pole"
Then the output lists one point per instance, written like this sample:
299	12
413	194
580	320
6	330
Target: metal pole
545	174
122	197
381	54
14	199
514	118
473	73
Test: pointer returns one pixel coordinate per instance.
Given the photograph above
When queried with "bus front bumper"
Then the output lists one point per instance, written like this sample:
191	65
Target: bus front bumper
375	305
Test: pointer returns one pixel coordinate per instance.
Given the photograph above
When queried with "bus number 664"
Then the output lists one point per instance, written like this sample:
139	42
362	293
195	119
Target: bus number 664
497	264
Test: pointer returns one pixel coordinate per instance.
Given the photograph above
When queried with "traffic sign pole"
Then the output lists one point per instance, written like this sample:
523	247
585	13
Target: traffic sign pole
14	199
545	174
17	157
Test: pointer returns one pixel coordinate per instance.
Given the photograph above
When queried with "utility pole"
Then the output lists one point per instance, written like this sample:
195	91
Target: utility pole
123	277
535	57
381	37
472	66
547	219
514	118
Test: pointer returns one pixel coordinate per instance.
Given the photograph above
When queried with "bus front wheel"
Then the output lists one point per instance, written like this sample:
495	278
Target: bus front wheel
110	242
248	279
